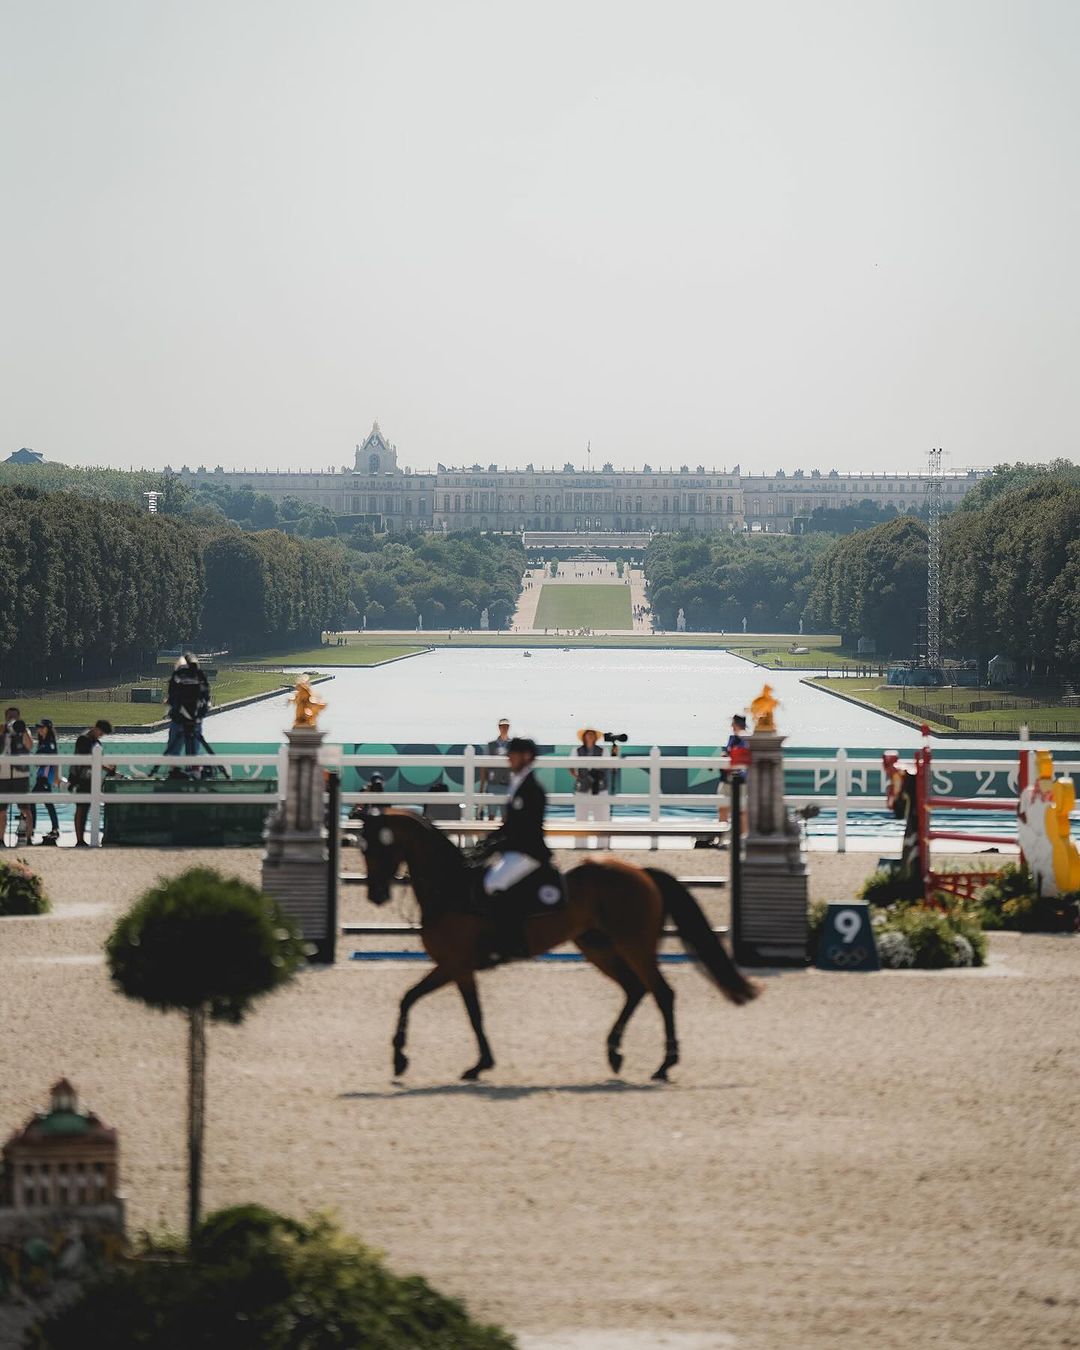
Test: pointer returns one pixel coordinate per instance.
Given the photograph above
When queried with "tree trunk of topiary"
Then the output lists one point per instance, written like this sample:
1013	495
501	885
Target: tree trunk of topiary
196	1112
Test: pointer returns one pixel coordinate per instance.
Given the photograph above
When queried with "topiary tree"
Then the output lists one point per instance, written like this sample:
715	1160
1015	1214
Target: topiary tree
208	945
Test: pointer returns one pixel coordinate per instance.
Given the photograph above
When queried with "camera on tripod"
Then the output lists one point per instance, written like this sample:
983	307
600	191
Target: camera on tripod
612	736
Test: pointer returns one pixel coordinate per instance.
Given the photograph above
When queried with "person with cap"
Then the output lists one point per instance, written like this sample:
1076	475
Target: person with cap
47	778
519	841
735	742
188	697
498	779
592	800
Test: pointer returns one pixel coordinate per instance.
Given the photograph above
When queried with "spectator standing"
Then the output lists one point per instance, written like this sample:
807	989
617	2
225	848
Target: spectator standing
47	779
592	801
15	742
736	741
188	697
79	775
496	780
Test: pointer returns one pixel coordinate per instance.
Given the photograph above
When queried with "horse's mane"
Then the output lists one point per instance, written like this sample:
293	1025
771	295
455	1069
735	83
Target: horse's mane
442	841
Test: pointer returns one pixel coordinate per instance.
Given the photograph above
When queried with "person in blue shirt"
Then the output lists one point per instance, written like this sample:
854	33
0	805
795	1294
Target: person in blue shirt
736	741
48	777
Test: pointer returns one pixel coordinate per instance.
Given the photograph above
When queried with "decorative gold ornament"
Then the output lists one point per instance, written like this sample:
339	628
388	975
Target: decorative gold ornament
308	704
762	709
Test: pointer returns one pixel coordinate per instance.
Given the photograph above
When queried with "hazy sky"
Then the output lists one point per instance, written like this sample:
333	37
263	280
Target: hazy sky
780	234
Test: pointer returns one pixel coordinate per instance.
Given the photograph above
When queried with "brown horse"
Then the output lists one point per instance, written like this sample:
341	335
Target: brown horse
614	913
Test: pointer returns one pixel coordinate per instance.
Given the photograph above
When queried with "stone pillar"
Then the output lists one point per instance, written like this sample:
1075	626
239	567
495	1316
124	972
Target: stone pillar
773	927
296	868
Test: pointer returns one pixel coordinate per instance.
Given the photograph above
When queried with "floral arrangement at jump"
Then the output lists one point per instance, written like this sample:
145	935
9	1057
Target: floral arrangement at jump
21	889
912	935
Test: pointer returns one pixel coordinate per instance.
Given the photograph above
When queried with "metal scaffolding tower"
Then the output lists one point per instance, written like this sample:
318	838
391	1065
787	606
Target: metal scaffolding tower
933	571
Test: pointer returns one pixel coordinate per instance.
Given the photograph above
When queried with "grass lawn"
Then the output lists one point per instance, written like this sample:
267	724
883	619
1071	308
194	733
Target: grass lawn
572	606
363	650
366	648
229	685
819	657
1052	719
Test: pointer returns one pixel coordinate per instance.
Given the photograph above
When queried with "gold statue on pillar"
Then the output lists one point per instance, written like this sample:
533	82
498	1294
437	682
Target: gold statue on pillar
762	709
308	704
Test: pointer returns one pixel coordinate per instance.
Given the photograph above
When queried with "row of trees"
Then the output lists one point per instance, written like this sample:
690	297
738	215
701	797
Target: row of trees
91	588
271	590
718	580
1010	579
446	580
1010	575
854	516
873	584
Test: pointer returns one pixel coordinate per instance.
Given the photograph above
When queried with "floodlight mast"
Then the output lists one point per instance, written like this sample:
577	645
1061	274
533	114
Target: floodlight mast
933	571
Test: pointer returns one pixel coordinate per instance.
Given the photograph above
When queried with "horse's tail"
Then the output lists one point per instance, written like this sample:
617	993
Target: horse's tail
702	941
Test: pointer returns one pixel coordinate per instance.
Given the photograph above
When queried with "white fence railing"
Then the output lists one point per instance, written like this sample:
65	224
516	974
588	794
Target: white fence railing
837	768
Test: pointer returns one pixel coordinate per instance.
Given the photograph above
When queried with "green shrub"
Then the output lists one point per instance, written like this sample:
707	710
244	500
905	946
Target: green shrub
937	939
1011	901
894	950
889	884
930	935
815	921
21	890
259	1281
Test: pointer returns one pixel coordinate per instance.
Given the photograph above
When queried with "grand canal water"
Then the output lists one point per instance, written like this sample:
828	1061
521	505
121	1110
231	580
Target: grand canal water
657	697
676	698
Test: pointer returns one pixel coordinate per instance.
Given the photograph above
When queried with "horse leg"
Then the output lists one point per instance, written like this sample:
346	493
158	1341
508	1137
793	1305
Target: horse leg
612	965
635	992
648	972
434	979
467	985
665	999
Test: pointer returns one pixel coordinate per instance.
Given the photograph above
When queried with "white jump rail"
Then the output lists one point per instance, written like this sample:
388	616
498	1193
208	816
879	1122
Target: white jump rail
840	770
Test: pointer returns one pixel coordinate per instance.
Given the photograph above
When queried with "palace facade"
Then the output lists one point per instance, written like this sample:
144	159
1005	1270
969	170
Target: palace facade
572	499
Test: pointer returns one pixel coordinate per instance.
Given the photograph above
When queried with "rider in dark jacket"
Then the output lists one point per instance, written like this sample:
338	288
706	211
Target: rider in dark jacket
520	839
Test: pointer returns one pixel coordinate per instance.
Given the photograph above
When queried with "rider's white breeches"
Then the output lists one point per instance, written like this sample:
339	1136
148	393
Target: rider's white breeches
508	871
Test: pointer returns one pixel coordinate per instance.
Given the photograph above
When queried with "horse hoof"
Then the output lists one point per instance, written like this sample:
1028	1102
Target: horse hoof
660	1076
471	1075
401	1063
615	1059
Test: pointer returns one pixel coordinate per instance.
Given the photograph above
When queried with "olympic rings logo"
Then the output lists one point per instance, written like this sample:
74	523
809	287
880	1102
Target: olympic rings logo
847	956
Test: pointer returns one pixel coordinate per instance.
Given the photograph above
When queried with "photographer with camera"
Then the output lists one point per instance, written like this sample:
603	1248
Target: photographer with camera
188	697
592	799
16	741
